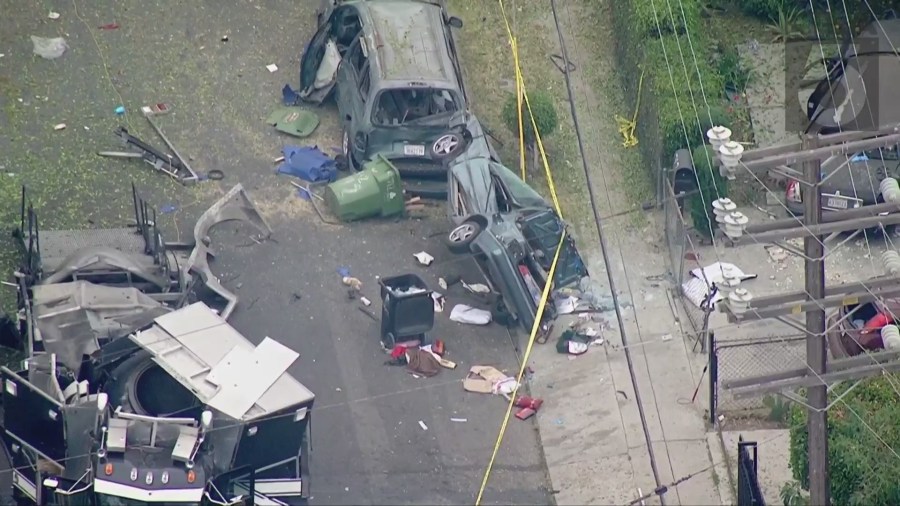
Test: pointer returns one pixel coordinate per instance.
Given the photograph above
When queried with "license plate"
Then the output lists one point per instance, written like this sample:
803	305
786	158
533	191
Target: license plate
414	150
836	203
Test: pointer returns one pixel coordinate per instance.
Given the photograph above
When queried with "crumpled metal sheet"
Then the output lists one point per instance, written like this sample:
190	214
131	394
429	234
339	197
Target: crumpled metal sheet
71	317
234	206
104	258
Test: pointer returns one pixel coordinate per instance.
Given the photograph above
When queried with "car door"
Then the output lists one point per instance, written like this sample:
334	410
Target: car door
318	48
458	206
352	91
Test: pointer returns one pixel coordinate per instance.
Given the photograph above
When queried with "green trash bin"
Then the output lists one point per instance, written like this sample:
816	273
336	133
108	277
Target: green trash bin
374	191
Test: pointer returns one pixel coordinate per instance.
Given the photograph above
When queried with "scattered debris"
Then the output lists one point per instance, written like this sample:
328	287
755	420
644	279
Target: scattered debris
422	424
476	288
49	48
459	420
376	190
109	26
572	343
424	258
439	302
296	297
462	313
120	110
368	313
565	304
352	282
224	38
484	379
365	301
294	121
168	209
59	126
307	163
53	15
442	283
272	67
666	337
776	253
529	406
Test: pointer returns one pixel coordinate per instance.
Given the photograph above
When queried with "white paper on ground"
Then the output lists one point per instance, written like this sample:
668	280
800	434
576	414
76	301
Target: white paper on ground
462	313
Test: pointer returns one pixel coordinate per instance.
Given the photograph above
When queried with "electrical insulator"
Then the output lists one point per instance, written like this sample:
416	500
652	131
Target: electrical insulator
890	337
890	190
718	135
739	301
891	261
723	207
730	154
728	285
734	224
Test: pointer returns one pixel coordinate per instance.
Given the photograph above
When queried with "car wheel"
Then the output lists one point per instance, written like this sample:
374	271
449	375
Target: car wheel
350	163
447	146
460	238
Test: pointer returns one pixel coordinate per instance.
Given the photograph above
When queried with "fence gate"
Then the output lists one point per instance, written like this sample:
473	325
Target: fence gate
749	493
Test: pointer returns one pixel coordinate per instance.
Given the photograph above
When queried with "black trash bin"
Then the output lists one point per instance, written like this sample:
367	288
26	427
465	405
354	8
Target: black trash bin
407	310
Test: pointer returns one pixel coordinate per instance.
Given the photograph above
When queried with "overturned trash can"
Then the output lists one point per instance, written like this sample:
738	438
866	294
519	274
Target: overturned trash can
374	191
407	310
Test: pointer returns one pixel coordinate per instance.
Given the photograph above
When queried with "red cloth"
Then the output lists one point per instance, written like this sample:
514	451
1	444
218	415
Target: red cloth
398	352
877	322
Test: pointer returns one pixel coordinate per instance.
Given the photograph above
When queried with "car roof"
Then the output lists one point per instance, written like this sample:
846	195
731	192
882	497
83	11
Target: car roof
877	83
409	42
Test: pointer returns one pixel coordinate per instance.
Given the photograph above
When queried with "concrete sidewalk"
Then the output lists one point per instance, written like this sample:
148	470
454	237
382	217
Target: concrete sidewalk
590	428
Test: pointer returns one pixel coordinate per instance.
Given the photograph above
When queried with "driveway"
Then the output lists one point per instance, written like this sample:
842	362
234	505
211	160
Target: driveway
210	63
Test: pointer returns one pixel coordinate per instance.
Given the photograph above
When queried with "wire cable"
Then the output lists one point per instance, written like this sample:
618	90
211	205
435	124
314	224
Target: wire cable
605	254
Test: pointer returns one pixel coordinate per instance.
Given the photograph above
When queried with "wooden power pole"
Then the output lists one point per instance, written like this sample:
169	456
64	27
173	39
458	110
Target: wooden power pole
816	356
819	373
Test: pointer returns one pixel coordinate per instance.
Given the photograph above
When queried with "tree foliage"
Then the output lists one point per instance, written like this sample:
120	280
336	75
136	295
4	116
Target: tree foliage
710	186
545	116
863	442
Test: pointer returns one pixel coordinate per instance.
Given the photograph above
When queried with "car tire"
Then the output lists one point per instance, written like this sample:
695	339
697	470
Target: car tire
349	163
460	239
447	146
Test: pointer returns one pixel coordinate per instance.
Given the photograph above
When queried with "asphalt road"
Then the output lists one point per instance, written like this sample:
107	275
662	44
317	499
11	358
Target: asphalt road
368	446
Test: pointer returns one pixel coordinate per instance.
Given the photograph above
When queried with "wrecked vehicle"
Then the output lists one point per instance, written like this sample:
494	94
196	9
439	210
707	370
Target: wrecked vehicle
185	410
125	373
512	231
83	268
394	67
857	328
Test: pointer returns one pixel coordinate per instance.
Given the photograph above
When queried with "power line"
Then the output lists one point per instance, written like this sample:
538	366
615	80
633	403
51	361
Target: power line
604	252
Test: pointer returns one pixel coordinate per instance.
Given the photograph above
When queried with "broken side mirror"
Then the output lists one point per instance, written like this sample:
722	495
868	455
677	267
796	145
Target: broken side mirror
455	22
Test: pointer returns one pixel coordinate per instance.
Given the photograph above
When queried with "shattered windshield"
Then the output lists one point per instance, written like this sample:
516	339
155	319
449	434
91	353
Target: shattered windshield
413	106
521	193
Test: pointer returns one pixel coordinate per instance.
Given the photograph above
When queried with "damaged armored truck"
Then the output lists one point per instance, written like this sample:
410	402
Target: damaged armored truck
135	392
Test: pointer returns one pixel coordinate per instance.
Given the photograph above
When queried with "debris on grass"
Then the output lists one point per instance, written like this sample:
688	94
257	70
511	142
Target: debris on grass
109	26
422	424
53	15
272	67
59	126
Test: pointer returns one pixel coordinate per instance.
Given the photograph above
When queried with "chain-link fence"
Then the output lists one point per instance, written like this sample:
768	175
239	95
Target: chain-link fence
738	359
682	259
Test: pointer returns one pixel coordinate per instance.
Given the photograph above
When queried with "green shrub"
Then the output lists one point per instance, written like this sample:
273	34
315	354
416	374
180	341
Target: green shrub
861	464
545	116
677	105
710	186
765	9
660	17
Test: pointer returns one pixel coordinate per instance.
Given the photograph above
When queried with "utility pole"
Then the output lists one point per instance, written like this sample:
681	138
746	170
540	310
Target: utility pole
816	356
741	306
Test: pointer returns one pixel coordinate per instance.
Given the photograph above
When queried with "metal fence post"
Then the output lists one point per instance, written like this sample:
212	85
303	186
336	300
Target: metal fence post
713	377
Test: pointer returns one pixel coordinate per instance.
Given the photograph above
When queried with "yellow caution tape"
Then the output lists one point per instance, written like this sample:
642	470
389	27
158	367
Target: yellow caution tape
542	304
628	126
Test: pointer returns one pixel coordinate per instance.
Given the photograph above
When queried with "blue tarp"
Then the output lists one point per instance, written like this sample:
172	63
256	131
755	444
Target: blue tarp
308	163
